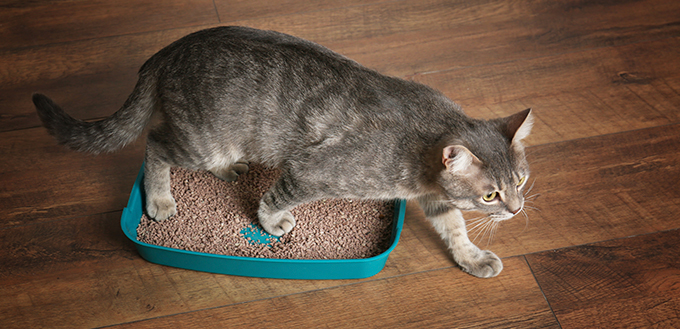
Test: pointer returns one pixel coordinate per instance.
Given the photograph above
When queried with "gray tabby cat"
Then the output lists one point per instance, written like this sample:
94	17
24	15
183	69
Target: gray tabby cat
228	96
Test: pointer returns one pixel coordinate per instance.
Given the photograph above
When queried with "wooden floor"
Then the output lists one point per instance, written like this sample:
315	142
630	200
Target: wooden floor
602	252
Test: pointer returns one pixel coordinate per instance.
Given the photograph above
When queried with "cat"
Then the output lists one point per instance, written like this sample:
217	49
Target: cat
229	96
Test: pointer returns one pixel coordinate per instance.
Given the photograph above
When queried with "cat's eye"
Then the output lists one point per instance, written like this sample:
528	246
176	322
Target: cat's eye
490	197
522	180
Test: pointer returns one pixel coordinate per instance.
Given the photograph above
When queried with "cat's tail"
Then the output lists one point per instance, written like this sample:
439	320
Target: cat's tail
106	135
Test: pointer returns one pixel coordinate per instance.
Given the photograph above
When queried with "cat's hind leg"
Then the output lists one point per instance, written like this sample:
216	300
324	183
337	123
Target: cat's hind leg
450	224
274	214
230	173
160	205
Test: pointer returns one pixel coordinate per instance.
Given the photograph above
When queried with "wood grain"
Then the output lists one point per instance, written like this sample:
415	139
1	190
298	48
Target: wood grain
625	283
239	10
43	181
29	24
89	79
601	188
602	76
405	37
53	249
95	75
574	95
605	194
470	303
83	271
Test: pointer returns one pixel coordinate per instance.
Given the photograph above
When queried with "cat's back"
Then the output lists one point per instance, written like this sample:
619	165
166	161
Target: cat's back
289	87
240	47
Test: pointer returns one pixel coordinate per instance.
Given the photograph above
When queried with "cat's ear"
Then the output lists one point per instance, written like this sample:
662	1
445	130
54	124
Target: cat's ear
517	126
459	160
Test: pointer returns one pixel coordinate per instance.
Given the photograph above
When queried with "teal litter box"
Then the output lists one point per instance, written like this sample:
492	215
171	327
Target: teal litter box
255	267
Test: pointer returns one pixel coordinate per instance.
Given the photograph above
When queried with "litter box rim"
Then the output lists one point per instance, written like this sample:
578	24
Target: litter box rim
302	269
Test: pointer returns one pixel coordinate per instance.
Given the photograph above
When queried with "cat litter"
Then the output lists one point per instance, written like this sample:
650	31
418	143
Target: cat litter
216	230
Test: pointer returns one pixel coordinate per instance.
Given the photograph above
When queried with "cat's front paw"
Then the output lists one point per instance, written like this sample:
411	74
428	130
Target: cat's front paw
161	209
277	224
484	264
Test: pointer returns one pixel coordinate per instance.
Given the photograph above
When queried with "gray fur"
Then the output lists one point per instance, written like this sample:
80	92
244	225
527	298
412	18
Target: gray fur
231	95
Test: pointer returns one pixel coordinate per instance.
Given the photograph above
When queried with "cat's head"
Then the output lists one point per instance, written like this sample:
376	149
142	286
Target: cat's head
485	169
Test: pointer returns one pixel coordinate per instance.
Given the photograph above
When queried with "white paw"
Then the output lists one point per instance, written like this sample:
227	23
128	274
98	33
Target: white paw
277	224
484	264
161	209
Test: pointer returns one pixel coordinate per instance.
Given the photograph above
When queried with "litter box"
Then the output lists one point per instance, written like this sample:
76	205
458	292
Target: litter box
305	269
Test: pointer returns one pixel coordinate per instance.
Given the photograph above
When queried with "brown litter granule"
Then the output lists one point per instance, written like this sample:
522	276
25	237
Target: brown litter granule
214	216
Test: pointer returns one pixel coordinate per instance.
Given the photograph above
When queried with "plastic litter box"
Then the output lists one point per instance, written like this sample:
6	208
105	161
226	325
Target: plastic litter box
254	267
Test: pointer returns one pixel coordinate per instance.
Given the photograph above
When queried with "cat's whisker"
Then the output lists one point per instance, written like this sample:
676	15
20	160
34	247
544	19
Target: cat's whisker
474	221
530	187
531	205
479	224
528	195
530	200
478	227
526	220
492	229
496	226
531	208
474	239
533	196
483	230
484	227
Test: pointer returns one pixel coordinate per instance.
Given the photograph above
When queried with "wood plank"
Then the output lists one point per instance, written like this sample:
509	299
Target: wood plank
83	272
403	37
27	24
625	283
64	246
239	10
575	95
43	181
624	93
435	299
89	79
93	77
48	22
